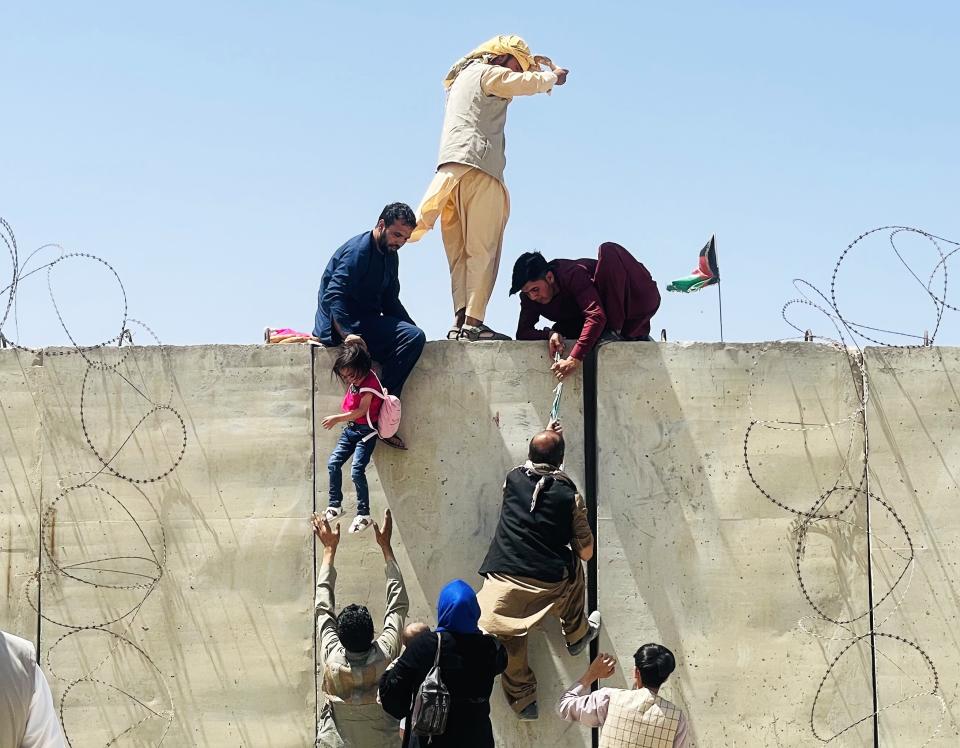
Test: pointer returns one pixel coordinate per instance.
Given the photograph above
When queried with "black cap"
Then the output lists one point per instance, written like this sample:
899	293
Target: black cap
529	266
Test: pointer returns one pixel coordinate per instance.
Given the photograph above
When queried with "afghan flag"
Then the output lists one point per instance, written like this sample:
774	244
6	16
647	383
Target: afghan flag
705	274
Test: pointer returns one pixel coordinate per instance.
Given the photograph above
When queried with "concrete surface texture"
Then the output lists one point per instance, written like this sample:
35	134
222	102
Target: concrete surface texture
180	608
176	609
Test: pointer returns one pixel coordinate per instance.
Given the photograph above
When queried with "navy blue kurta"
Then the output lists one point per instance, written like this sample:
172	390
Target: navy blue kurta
360	281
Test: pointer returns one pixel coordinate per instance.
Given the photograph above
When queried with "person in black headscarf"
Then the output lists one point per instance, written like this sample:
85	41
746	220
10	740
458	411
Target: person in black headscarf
469	661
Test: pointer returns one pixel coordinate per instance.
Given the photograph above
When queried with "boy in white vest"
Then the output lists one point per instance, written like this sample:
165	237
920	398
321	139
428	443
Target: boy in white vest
635	718
467	193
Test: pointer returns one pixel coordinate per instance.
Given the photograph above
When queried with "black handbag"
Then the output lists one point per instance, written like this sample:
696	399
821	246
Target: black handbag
431	706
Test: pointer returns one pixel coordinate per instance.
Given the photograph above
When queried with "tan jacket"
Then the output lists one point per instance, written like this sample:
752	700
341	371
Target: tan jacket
352	716
476	113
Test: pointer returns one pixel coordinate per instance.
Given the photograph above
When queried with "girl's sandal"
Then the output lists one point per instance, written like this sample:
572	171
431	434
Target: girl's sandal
360	523
394	441
332	512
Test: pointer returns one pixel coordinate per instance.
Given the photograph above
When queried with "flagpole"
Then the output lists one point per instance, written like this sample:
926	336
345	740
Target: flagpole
713	240
720	302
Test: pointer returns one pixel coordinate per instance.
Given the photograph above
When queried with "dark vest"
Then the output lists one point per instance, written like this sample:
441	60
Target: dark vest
533	544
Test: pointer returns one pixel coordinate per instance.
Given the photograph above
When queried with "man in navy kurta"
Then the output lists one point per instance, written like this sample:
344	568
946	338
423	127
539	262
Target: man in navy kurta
360	295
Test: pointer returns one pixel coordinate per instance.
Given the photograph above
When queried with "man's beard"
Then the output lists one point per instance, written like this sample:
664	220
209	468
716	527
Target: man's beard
383	243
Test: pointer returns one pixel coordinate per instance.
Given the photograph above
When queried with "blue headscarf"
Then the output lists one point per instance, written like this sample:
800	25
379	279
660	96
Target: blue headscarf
457	609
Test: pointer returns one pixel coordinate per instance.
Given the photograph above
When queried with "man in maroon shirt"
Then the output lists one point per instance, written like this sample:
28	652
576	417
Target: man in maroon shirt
612	296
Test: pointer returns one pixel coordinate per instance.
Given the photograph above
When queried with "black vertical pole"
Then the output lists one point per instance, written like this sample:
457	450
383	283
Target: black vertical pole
870	603
313	471
590	491
720	303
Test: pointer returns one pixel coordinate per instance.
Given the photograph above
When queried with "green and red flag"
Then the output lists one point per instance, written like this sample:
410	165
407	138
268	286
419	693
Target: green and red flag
705	274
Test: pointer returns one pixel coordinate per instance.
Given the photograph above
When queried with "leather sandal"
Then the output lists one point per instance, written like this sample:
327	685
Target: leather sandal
480	333
394	441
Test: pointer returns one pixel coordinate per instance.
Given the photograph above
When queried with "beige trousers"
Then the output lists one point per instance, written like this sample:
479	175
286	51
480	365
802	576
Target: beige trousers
473	208
512	606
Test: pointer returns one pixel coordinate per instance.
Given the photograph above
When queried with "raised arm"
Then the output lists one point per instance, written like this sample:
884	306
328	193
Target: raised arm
326	582
503	82
579	705
397	601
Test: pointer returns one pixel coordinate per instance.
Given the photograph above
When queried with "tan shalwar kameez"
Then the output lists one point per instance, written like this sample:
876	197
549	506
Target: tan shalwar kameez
473	206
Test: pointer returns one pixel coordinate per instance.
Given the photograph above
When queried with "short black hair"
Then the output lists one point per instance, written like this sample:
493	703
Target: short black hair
352	356
530	266
655	663
355	628
398	212
544	449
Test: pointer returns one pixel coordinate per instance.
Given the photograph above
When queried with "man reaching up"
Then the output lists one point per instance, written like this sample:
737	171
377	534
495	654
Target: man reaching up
468	193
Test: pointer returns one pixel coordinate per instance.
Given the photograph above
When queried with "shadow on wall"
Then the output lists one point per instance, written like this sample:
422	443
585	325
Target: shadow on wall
687	543
229	626
914	454
469	411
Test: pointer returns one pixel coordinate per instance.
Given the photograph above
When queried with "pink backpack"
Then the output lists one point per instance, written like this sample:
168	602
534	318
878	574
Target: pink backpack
388	421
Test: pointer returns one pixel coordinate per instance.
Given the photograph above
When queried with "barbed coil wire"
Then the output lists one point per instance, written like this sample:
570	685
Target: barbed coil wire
146	570
849	335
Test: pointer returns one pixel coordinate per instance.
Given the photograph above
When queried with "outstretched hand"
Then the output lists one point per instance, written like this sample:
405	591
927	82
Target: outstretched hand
565	367
329	422
328	537
555	425
603	666
383	536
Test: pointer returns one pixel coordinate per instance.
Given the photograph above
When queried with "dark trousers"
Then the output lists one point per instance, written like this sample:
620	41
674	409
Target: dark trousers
630	296
351	443
396	345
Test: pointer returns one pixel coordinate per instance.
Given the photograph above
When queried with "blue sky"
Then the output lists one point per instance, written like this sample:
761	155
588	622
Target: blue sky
217	153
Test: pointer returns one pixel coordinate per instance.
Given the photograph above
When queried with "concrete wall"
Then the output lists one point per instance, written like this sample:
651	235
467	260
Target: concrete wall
691	553
915	464
218	651
470	412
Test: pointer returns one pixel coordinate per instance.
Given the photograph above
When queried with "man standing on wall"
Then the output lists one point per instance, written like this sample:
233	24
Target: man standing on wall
610	298
467	193
533	567
28	718
360	297
352	661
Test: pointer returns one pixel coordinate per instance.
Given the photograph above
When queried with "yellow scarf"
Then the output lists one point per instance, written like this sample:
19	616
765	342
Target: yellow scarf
500	45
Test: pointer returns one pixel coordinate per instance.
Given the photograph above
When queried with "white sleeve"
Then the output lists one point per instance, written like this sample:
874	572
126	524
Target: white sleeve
43	726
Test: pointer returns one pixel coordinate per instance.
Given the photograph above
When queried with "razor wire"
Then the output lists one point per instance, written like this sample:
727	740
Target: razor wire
847	340
142	573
